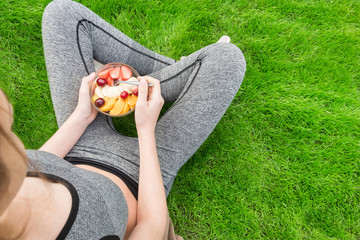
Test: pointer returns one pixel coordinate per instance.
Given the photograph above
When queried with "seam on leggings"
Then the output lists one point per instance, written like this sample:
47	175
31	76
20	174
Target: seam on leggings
191	82
177	74
108	119
100	28
78	43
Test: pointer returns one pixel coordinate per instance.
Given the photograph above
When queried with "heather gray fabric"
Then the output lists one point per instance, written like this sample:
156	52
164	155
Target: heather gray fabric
102	207
202	87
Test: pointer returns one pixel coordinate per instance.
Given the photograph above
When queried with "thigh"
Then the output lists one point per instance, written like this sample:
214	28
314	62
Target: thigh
204	85
73	36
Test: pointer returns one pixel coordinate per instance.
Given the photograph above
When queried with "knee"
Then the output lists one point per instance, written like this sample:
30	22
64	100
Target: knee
56	6
228	53
230	59
57	10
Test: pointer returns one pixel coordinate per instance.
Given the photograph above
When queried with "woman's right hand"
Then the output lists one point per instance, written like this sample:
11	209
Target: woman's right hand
148	105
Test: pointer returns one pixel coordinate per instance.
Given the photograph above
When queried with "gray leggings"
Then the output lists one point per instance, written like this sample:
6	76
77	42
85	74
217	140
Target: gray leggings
201	86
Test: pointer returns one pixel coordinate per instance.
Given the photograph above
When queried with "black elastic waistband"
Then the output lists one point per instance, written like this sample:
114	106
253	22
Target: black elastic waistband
130	183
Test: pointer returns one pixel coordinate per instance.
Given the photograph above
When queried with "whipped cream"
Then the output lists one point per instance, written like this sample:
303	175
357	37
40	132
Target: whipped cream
114	91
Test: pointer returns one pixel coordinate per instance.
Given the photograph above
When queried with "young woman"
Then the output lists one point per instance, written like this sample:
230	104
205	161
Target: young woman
109	186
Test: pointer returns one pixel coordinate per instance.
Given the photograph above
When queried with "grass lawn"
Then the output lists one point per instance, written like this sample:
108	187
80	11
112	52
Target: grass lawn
284	161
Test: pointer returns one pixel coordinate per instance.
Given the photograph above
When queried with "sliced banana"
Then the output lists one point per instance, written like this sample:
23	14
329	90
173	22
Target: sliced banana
98	91
113	92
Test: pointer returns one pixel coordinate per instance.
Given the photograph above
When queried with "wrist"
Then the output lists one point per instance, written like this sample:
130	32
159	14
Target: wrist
80	119
146	133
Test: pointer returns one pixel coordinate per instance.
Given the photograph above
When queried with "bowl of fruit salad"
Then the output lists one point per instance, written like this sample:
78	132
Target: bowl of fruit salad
110	94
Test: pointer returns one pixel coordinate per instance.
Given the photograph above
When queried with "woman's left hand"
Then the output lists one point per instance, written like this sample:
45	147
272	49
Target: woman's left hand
84	110
73	128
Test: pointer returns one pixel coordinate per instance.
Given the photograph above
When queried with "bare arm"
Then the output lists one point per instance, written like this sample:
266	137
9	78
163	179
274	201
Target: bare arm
152	208
69	133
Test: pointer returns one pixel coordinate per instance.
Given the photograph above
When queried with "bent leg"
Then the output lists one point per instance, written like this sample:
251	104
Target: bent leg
72	37
207	82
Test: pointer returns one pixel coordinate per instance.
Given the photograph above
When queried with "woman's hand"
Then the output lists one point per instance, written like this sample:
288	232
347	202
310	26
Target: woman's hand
70	132
148	105
84	110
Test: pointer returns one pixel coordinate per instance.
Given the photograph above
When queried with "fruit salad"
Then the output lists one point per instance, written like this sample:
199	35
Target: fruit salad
116	99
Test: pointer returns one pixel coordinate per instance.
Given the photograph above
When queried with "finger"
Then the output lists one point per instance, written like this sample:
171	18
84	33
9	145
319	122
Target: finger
86	82
135	89
89	78
156	89
143	92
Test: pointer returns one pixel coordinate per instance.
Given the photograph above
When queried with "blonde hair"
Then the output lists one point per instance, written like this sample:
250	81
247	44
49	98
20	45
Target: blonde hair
7	232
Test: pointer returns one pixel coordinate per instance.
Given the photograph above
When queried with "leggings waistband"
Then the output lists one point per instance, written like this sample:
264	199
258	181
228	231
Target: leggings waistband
129	182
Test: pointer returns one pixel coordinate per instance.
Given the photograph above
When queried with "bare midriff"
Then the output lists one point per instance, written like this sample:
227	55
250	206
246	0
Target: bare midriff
129	197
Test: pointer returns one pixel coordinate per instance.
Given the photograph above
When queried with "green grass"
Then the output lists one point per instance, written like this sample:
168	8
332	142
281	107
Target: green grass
284	162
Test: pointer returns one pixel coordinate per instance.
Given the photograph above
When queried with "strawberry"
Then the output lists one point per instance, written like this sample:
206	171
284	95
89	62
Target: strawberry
115	73
110	81
105	74
125	73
